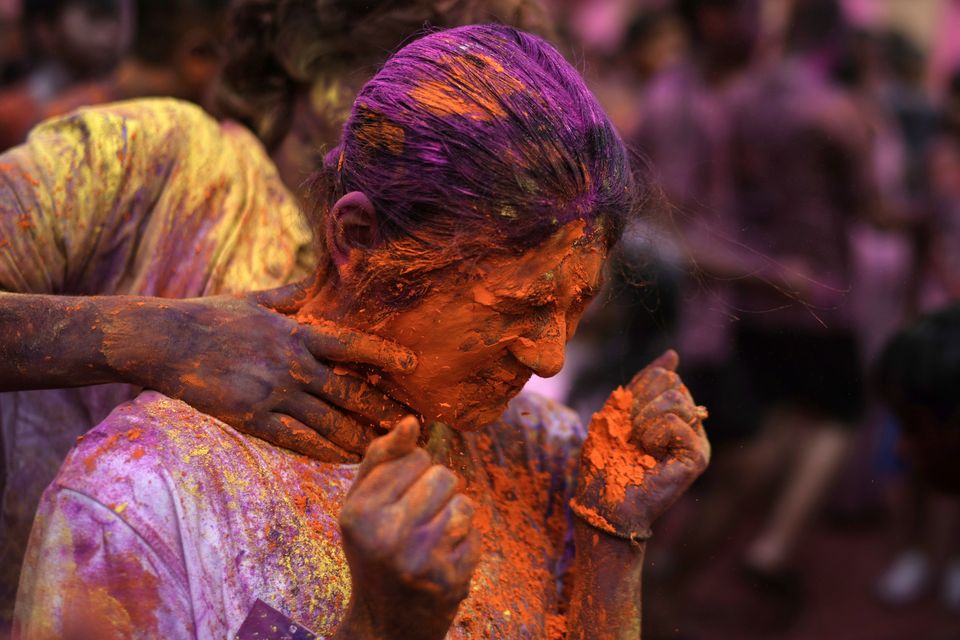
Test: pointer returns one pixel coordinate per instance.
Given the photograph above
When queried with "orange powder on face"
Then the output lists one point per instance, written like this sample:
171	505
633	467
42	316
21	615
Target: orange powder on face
608	451
467	349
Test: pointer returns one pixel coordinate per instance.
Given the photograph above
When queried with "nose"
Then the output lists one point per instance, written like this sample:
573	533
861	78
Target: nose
541	348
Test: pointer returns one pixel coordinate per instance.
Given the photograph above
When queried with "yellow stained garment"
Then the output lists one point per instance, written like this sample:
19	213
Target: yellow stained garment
147	197
150	197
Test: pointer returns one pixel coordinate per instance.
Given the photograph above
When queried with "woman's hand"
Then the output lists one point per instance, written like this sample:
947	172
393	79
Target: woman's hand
408	536
643	450
237	359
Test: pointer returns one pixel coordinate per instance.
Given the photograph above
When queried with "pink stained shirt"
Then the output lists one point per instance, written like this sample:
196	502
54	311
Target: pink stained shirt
164	522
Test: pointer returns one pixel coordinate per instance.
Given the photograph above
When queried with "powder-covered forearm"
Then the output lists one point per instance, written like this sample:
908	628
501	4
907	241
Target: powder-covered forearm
605	602
51	341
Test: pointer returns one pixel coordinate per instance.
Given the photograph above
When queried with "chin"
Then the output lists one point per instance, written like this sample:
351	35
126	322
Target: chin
469	405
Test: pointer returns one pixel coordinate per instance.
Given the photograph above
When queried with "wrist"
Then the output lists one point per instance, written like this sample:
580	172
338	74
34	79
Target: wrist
137	334
587	516
122	325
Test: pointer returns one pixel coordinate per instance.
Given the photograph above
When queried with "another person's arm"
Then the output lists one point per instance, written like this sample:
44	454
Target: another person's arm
229	356
117	199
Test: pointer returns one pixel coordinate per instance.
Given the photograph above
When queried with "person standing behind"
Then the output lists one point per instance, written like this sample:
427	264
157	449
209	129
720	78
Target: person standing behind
73	41
176	52
802	176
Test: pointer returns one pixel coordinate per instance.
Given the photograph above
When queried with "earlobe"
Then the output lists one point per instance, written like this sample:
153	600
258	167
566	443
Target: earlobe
351	224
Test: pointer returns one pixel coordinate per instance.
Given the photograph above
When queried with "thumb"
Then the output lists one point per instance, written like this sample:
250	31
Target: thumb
400	441
668	360
286	299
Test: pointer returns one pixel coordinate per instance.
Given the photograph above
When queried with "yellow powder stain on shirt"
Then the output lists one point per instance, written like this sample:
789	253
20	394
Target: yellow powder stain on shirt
201	450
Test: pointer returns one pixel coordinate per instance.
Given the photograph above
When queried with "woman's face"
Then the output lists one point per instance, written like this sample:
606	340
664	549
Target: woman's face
482	332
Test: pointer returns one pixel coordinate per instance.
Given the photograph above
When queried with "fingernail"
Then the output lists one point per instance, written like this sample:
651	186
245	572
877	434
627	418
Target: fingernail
408	426
407	363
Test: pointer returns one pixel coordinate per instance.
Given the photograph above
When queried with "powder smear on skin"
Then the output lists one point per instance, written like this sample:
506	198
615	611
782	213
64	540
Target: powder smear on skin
512	587
460	338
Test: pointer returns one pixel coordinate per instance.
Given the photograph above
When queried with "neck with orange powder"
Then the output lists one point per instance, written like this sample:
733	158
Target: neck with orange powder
325	304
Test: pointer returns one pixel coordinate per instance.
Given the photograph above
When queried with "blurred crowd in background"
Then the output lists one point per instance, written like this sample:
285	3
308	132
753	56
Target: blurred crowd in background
804	163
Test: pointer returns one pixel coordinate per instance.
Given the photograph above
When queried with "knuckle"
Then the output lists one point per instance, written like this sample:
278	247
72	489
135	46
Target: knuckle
350	516
420	457
674	397
464	505
442	475
377	449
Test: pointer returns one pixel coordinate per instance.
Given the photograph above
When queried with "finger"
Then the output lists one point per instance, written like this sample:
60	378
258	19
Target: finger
424	499
388	481
669	438
458	521
676	401
650	383
401	440
668	360
316	414
328	341
288	432
355	395
286	299
435	542
466	555
463	562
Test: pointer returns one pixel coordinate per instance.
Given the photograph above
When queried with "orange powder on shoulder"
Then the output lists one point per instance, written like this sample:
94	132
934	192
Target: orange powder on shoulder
90	461
608	451
556	626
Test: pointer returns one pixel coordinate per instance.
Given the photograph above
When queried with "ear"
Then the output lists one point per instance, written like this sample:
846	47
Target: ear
351	224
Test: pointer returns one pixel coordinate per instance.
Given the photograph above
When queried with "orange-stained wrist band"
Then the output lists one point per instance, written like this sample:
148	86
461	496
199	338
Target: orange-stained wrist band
597	521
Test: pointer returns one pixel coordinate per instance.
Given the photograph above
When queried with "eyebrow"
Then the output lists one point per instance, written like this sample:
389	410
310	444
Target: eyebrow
543	291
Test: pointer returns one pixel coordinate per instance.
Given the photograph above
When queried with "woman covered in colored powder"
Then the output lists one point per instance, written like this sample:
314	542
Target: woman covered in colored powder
154	198
466	215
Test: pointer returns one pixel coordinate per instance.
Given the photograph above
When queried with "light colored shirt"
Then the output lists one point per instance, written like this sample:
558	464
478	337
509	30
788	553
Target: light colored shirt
147	197
164	522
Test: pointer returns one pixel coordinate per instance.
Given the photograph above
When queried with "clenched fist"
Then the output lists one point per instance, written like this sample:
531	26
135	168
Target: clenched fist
644	449
409	540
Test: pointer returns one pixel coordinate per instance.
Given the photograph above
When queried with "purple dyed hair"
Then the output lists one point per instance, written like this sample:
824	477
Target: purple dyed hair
479	140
